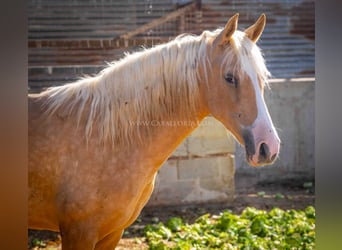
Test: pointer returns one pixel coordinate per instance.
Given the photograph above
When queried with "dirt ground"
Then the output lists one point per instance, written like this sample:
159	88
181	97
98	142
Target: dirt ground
286	195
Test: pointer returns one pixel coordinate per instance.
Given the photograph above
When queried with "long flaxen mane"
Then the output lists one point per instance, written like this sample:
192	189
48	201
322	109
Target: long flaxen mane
150	85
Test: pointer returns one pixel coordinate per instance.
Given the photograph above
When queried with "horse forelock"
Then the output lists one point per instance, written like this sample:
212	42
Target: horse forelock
127	95
245	55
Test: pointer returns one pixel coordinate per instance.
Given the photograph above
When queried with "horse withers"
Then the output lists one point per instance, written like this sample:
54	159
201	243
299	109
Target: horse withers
95	145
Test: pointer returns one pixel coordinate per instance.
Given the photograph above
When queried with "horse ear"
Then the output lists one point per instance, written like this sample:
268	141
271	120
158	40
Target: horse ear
224	37
254	32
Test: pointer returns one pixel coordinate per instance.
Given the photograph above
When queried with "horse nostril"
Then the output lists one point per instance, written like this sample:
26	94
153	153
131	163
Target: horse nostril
263	151
273	157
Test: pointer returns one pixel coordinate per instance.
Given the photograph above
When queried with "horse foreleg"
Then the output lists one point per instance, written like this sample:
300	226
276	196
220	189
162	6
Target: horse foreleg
109	242
74	238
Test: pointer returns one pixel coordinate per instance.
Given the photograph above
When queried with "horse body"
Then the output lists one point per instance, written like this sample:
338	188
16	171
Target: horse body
95	145
95	192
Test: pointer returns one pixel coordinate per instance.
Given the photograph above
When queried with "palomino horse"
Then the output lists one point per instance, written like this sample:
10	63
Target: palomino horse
92	164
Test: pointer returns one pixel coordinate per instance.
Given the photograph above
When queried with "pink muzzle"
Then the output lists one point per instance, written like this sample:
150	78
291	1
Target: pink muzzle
262	143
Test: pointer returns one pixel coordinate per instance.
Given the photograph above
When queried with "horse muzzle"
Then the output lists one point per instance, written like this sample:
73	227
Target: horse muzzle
261	144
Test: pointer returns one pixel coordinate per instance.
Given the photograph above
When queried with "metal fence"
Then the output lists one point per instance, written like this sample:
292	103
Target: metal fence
71	38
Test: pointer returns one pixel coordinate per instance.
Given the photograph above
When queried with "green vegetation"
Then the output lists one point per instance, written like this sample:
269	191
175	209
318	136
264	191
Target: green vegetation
253	229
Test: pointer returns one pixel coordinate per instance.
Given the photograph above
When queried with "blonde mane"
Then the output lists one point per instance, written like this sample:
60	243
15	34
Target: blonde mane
150	85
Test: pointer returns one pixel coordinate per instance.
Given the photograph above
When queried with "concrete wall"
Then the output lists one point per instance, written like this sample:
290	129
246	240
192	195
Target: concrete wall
209	164
291	105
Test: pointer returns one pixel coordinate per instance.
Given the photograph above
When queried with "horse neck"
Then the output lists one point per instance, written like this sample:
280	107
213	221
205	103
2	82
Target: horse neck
158	85
172	112
169	135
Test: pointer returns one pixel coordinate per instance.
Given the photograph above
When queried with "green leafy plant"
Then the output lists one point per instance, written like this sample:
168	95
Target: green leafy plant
38	243
252	229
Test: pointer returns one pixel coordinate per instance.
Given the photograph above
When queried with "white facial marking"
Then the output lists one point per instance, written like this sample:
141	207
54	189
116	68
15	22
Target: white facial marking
262	128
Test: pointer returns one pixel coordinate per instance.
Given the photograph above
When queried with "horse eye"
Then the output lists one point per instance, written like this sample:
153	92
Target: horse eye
231	79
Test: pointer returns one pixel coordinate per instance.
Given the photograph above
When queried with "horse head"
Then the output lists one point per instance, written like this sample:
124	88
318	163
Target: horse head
236	76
